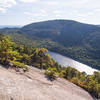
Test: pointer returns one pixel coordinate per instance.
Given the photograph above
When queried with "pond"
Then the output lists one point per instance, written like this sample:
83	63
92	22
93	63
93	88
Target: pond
66	61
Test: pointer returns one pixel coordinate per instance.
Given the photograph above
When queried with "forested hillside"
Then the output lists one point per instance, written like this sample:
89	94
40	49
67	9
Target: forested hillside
76	40
70	38
19	56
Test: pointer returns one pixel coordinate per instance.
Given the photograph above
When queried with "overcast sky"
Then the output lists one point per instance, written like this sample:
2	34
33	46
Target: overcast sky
21	12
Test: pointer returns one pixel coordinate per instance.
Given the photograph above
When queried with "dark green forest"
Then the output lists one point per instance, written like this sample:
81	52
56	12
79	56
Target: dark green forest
15	55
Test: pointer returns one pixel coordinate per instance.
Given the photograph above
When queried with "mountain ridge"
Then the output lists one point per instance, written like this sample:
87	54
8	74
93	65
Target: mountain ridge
10	26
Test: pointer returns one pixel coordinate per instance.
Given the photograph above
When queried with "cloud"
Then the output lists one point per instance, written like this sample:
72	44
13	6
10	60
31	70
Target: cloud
58	15
62	3
2	10
57	11
5	4
52	3
80	10
90	13
39	13
28	1
43	11
27	13
97	10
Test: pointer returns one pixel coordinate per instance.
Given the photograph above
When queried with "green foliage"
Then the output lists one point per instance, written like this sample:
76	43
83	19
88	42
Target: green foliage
21	54
51	73
84	52
71	73
40	59
5	48
75	80
91	83
19	65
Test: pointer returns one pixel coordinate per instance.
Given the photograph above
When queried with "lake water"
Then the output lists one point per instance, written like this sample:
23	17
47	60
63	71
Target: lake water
66	61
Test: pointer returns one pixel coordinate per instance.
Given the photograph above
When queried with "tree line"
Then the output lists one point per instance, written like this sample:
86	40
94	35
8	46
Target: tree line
20	55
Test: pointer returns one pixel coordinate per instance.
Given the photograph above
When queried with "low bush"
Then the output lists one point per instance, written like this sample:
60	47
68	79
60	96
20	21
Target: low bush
19	65
51	73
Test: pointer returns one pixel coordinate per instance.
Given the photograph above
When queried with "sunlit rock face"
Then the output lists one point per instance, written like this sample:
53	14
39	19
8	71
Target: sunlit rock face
33	85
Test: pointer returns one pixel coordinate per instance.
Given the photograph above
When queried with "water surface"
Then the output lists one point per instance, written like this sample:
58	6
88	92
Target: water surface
66	61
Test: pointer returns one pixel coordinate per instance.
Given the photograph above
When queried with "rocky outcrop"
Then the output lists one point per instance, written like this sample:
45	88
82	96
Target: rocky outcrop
33	85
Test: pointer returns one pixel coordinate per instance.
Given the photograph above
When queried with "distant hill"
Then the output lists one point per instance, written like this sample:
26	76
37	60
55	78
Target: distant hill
9	26
65	32
9	30
71	38
98	25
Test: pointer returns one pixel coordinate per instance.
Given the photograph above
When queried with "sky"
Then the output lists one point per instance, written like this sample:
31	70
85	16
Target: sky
22	12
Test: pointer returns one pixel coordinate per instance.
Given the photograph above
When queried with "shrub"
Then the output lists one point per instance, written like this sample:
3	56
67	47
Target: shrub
75	80
51	73
20	65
